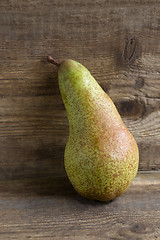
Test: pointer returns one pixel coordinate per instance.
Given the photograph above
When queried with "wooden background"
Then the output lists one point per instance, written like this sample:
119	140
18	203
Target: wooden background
118	41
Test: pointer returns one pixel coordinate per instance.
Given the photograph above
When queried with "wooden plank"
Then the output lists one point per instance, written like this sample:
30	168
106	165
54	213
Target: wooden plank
51	209
117	42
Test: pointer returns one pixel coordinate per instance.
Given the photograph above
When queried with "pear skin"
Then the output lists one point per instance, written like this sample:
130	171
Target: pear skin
101	156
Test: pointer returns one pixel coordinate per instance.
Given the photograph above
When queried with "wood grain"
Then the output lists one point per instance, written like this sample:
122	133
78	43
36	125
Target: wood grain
51	209
117	41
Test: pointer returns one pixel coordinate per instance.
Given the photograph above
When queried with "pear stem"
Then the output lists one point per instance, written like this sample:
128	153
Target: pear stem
51	60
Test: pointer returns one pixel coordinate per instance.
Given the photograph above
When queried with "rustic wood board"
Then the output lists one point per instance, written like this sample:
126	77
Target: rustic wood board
51	209
118	41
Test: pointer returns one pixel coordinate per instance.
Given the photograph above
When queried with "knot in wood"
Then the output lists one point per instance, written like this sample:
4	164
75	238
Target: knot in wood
130	52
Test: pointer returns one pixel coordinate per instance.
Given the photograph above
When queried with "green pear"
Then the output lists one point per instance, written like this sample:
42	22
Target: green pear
101	156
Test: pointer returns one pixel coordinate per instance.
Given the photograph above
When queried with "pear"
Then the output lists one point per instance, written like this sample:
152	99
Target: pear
101	156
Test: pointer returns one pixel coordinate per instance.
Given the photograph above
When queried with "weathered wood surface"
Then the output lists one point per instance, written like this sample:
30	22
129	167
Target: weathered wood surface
118	41
51	209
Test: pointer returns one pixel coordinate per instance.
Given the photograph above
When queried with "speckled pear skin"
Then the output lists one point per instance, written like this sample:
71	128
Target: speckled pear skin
101	156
